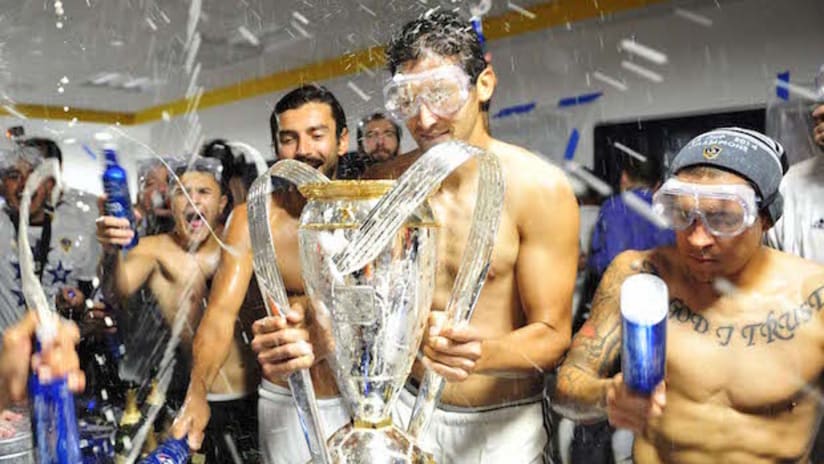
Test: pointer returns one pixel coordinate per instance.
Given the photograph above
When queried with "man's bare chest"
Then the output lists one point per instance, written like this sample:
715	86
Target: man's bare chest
753	358
454	214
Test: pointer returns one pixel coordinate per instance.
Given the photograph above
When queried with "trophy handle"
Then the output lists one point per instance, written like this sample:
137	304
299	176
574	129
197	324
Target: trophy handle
410	190
274	293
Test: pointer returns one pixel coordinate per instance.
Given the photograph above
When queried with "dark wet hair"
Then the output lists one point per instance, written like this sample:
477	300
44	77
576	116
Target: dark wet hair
443	33
48	147
302	95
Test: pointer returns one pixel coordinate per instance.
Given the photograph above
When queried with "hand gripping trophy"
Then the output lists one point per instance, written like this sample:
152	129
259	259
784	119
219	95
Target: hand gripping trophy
368	256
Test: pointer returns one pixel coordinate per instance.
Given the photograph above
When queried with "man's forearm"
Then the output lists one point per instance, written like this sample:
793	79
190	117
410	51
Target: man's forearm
534	347
579	395
210	350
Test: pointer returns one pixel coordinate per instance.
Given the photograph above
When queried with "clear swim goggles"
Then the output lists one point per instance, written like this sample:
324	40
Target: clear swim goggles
444	90
198	164
726	210
10	160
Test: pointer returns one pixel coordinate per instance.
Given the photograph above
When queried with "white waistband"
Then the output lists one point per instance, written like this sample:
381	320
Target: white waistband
449	414
278	394
218	397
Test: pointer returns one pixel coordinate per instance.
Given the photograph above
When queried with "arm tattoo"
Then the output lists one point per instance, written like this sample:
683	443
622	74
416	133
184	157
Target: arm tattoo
777	326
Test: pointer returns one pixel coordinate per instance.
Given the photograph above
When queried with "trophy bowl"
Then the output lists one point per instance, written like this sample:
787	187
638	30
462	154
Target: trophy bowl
376	314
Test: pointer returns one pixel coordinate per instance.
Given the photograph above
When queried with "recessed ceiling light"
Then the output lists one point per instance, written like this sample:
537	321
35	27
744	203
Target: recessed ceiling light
116	43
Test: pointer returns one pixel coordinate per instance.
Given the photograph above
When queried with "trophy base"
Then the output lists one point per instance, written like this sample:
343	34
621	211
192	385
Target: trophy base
369	445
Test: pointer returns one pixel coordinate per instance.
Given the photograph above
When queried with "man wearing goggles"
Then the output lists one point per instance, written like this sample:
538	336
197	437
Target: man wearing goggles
724	210
441	85
153	197
744	323
177	267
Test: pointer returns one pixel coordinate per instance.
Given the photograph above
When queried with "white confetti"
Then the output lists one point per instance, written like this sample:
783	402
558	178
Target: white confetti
724	286
694	17
300	29
610	81
630	152
300	17
648	53
9	109
247	34
364	8
637	204
642	71
600	186
358	91
521	10
802	92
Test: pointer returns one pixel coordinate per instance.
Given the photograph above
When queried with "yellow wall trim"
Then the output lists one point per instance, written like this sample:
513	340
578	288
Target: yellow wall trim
547	15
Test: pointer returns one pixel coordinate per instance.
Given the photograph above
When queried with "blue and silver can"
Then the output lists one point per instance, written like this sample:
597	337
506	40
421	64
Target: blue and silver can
118	200
170	452
644	304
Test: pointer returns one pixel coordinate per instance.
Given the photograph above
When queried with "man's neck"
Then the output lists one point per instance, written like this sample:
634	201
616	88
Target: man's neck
187	246
468	171
748	278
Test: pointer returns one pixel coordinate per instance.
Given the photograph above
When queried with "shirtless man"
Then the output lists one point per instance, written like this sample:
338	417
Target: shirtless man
308	124
491	409
745	346
177	267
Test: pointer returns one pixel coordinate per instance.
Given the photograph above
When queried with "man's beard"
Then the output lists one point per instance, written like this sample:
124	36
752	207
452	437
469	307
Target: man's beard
385	156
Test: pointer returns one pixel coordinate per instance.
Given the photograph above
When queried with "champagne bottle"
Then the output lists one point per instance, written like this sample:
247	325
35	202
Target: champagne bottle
129	424
155	398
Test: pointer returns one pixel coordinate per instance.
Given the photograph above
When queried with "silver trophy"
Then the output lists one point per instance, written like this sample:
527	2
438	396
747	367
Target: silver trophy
377	313
368	255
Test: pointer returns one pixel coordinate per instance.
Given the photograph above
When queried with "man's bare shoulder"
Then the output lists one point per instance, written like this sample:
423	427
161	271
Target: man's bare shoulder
154	245
807	273
528	170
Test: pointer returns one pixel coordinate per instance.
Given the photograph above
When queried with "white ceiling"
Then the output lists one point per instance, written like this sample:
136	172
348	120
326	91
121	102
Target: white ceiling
143	42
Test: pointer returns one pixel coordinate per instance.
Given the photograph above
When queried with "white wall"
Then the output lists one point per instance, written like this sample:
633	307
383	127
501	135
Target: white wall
80	170
731	64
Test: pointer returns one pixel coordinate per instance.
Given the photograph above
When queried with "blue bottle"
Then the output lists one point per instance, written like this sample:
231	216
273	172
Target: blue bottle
171	452
118	201
644	309
54	422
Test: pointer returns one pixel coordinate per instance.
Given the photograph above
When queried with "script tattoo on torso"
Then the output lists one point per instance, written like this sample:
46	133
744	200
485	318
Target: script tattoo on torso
777	326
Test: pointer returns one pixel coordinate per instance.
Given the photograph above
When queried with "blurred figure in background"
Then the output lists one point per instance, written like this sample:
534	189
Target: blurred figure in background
619	226
239	167
801	230
152	198
379	140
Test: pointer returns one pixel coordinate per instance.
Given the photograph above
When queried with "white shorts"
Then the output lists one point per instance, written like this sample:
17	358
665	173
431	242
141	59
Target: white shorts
507	433
281	437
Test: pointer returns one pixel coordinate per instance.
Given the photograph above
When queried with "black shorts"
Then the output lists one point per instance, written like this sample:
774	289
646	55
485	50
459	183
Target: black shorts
232	432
